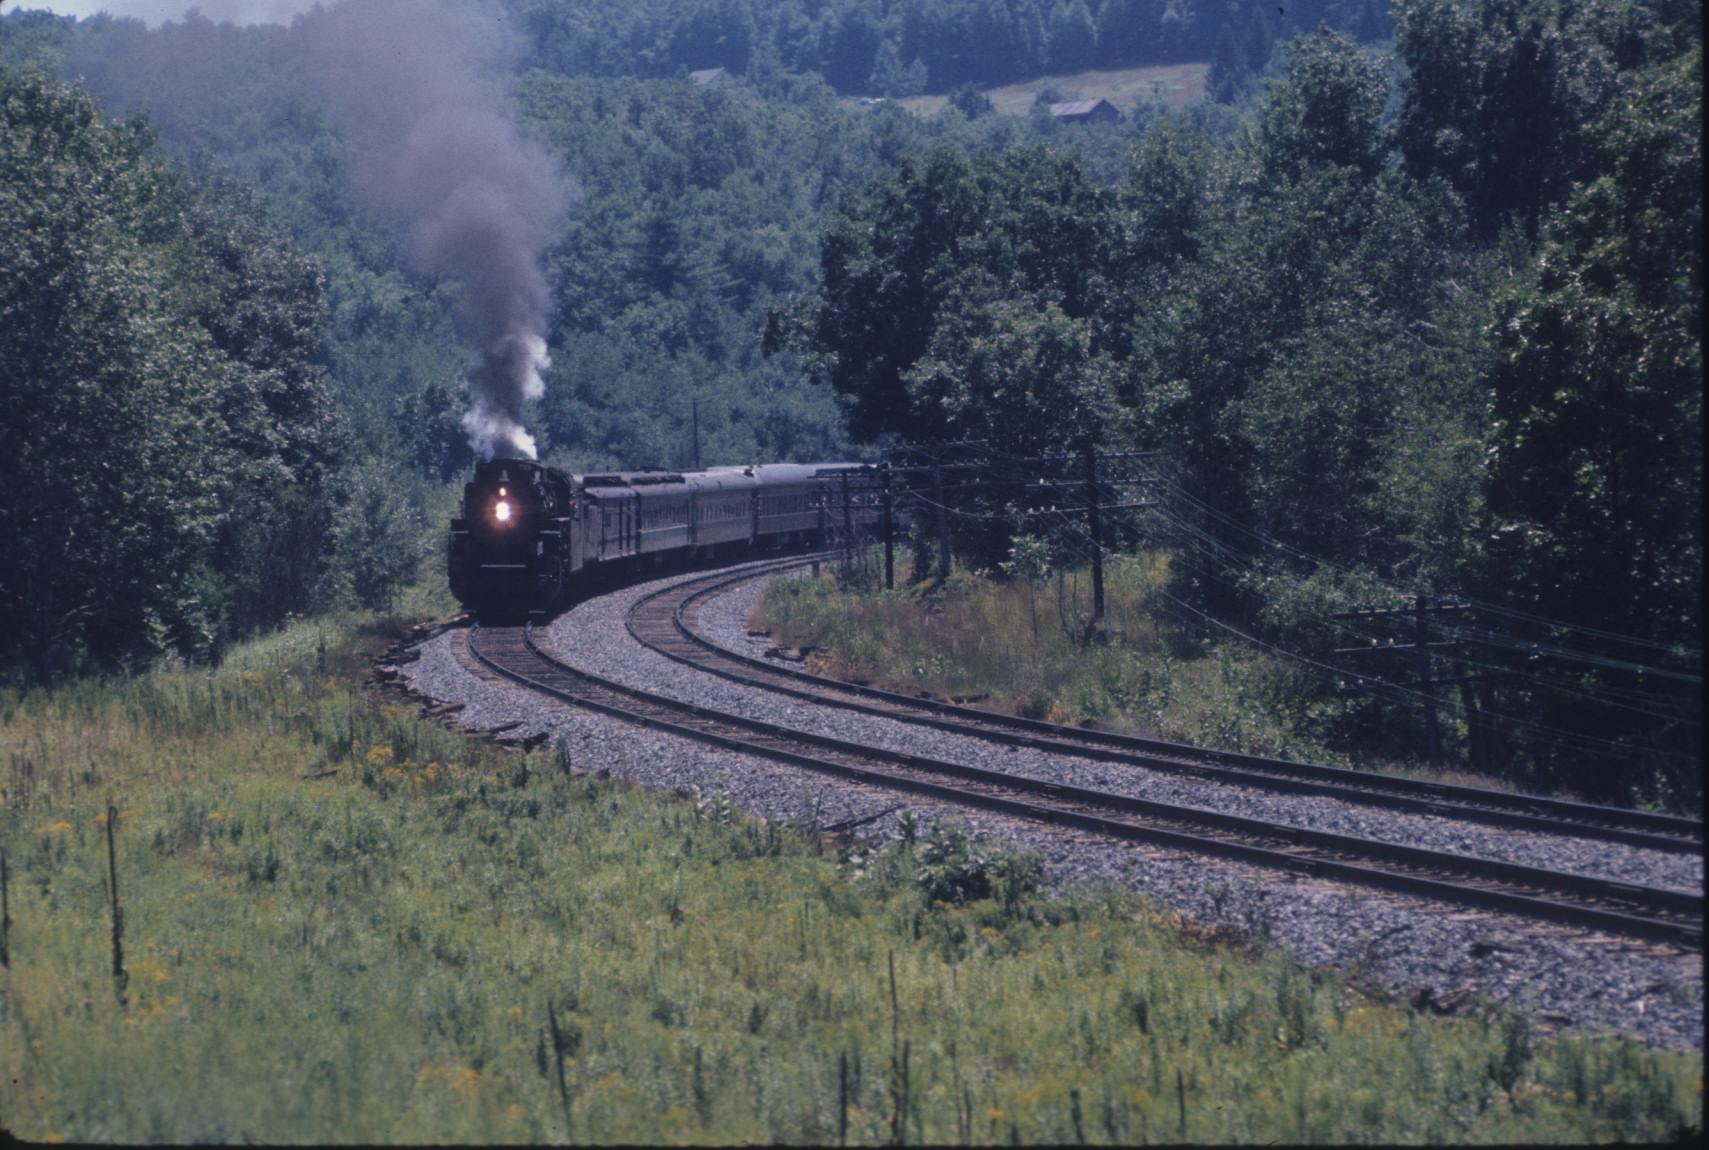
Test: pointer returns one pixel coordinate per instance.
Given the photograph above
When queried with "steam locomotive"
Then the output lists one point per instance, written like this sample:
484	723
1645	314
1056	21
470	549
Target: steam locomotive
527	534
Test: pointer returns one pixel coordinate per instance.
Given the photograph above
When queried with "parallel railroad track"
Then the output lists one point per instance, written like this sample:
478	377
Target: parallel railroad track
666	622
1610	906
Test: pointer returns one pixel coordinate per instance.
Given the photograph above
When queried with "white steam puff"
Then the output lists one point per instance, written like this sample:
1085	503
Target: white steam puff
496	430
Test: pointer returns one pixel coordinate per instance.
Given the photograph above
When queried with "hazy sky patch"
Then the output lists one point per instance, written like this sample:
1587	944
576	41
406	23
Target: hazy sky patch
157	12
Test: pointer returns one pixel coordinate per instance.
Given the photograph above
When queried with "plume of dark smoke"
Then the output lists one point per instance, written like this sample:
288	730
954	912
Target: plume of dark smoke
411	84
414	87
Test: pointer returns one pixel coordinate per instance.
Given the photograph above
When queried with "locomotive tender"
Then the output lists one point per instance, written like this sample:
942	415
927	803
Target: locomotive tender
526	534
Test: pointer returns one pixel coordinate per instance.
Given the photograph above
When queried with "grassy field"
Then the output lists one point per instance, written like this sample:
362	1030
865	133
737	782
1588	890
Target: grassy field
1176	85
343	923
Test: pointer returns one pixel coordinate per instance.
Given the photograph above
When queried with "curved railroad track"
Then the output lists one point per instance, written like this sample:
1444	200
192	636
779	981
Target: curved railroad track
1623	908
665	621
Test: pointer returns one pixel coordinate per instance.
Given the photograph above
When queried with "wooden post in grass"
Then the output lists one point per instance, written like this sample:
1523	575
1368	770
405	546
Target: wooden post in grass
895	1058
558	1061
1181	1101
903	1091
5	913
843	1099
120	978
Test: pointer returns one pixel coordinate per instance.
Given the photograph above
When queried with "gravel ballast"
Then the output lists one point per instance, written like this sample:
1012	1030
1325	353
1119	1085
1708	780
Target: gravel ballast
1426	951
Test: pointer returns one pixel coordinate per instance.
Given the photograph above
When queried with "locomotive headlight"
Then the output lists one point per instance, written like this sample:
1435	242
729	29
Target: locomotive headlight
501	511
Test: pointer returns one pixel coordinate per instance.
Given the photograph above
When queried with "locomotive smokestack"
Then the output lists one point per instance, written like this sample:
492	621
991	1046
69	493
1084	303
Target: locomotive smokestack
434	150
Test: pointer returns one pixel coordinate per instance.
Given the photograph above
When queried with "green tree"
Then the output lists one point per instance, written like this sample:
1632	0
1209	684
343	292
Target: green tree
1072	36
380	537
940	234
1327	110
971	102
1596	461
1498	94
155	358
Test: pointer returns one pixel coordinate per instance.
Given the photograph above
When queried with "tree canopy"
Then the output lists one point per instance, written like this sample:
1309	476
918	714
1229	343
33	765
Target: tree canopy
167	418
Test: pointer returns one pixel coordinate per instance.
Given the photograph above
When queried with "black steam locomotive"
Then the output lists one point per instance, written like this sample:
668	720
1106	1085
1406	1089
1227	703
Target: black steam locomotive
527	534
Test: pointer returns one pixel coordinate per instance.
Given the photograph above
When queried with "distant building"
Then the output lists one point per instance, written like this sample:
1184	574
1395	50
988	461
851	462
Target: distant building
1086	112
710	77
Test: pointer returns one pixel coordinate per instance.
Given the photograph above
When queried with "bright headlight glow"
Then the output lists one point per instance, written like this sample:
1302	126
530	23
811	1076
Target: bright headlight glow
501	511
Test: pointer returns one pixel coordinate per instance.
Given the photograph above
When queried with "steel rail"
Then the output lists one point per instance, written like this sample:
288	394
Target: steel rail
1623	908
676	638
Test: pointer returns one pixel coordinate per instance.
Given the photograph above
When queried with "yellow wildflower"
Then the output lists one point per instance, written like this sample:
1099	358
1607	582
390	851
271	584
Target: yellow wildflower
59	828
465	1080
151	968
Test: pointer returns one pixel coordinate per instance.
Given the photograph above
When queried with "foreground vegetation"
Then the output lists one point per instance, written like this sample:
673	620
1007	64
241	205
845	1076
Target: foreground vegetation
344	923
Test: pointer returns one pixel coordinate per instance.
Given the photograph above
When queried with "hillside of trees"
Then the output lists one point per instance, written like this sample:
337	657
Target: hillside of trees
1414	304
1452	349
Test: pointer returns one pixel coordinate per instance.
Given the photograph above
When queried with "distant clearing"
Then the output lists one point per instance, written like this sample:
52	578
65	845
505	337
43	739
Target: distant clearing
1177	85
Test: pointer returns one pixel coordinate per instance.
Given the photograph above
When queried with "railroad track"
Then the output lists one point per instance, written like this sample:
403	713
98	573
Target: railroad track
665	621
1609	906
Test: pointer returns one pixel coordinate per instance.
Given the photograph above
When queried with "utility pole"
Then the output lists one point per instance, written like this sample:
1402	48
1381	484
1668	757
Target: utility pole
889	531
943	520
694	430
848	522
1095	526
1422	607
1421	656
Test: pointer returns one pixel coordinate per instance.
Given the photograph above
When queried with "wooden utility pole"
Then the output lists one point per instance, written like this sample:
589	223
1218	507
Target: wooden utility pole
942	512
1095	527
889	531
1421	656
848	520
1422	607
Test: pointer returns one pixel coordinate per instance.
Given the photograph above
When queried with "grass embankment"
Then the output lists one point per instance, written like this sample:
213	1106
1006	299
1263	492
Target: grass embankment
1021	648
343	923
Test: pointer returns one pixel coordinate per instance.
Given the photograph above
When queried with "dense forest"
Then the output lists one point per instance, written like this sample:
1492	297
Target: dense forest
1413	304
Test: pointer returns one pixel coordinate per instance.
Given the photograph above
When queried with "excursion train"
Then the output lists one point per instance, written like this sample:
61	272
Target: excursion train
526	534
